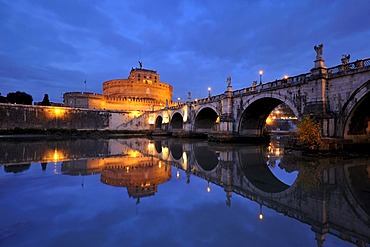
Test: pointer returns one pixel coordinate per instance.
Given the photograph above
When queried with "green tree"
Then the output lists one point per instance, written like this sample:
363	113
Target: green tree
19	98
45	101
309	133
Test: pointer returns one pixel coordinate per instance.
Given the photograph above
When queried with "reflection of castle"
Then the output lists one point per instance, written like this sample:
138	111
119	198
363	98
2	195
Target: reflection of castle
139	174
141	177
141	91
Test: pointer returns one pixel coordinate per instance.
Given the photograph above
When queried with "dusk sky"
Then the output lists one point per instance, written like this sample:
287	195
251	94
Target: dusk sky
54	46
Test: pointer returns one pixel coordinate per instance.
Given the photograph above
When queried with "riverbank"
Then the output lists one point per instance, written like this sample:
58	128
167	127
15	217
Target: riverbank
330	147
68	134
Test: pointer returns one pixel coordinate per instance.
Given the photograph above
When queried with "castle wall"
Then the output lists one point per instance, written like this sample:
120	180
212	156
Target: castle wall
141	91
120	88
141	83
50	117
99	102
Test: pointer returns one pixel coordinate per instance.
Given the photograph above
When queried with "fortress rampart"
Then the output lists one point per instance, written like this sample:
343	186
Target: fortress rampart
141	91
15	116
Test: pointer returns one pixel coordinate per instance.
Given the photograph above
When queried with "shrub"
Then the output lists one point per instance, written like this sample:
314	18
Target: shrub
309	133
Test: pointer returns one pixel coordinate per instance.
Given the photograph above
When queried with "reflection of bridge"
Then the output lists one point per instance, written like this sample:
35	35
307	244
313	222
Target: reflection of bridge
337	96
339	204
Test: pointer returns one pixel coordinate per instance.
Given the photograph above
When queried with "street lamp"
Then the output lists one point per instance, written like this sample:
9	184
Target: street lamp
261	72
178	100
209	92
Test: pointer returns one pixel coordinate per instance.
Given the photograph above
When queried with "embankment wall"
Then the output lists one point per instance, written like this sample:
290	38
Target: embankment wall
13	116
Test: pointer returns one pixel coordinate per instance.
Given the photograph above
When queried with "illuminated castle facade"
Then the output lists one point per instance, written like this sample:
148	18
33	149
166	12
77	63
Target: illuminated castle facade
141	91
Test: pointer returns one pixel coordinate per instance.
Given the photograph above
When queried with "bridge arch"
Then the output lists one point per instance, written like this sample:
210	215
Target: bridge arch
176	122
205	119
354	118
158	122
158	146
176	151
256	110
207	160
355	189
254	166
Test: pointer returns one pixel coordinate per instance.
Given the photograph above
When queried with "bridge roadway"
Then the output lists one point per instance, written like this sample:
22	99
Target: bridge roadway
338	97
331	196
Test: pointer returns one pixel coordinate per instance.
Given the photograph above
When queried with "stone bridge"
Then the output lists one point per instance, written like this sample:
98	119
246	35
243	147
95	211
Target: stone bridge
338	97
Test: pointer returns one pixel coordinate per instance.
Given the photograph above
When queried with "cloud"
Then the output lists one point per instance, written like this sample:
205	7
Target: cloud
192	44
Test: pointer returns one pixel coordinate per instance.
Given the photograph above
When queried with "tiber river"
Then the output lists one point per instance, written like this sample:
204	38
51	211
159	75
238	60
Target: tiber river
179	192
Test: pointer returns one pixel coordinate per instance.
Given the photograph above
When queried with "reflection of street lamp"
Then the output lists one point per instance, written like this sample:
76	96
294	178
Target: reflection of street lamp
261	72
208	188
260	215
178	174
209	92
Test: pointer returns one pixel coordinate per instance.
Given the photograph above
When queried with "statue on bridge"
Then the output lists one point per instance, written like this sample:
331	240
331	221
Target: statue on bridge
228	81
345	59
319	50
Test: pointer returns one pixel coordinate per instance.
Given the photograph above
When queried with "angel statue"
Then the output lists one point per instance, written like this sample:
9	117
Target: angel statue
228	80
318	49
345	59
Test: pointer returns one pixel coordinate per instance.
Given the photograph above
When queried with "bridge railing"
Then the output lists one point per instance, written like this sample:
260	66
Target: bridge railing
349	66
273	85
285	82
366	62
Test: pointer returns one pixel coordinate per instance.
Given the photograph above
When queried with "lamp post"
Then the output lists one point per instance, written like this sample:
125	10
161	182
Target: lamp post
178	100
261	72
209	92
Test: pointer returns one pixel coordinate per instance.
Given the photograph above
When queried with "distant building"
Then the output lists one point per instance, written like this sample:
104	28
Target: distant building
141	91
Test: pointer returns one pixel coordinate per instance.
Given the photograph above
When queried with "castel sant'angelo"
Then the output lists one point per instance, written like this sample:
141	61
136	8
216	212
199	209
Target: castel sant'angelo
141	91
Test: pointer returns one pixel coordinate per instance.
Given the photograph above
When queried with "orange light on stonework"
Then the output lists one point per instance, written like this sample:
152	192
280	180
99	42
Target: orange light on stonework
134	154
151	148
269	120
277	152
135	113
56	112
54	155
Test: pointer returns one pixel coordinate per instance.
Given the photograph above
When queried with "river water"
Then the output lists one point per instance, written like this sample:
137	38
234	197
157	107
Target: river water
179	192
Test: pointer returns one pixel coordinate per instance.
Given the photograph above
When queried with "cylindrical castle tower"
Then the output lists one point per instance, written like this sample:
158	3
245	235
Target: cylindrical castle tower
141	84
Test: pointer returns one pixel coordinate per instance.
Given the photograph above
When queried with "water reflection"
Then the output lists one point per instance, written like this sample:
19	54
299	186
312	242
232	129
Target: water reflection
329	194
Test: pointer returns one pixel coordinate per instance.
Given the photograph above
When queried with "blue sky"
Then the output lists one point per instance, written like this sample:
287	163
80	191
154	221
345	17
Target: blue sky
53	46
